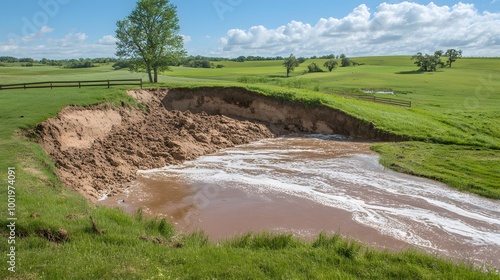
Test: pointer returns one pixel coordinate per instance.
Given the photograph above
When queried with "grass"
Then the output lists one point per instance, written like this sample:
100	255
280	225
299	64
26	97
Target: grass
121	246
467	168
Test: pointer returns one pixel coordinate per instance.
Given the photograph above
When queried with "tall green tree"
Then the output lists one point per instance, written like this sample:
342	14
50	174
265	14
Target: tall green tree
290	63
331	64
150	38
452	55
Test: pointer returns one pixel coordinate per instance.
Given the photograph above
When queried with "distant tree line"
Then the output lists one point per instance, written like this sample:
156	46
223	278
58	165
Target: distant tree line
78	63
65	63
10	59
254	58
291	62
28	62
200	62
425	62
185	61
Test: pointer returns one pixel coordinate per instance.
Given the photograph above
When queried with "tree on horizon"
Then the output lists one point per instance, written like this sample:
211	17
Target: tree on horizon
453	55
290	63
331	64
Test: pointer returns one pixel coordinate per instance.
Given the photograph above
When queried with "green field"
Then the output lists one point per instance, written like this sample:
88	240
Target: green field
453	134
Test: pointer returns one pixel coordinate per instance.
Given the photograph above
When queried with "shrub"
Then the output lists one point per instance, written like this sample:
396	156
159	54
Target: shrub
81	63
121	64
346	62
313	68
199	63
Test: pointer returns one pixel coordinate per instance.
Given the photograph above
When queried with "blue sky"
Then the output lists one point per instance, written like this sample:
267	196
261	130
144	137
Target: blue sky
229	28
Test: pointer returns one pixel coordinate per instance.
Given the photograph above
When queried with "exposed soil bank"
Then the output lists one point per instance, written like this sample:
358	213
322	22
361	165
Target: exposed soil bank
98	150
281	116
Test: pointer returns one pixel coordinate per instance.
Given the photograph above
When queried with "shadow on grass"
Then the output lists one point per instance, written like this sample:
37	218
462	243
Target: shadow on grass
278	76
410	72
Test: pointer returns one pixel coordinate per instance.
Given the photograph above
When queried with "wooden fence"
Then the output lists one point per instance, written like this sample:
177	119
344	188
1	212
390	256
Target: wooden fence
376	99
75	84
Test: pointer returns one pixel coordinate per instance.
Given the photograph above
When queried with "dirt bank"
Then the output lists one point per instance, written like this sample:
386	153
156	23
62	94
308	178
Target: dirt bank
280	116
98	150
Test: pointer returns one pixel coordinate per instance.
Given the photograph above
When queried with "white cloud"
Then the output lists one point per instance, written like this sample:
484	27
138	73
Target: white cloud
70	40
107	40
7	48
43	30
77	37
186	38
72	45
403	28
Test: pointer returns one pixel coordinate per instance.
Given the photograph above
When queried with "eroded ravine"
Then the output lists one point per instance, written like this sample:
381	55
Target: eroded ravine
281	184
98	149
309	185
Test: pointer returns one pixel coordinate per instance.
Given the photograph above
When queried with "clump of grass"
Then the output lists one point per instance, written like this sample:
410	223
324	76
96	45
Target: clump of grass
165	228
342	246
197	239
265	240
139	214
253	79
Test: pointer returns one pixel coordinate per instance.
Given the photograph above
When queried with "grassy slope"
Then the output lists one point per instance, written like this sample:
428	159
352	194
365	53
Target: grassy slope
127	249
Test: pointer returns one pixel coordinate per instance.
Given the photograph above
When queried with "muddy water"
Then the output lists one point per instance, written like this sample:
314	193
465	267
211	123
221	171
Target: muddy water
313	184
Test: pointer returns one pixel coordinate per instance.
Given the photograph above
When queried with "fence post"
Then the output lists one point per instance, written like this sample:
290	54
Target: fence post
79	84
50	85
108	83
141	84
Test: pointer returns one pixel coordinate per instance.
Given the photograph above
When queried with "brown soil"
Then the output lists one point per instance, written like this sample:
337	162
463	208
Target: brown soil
98	150
281	116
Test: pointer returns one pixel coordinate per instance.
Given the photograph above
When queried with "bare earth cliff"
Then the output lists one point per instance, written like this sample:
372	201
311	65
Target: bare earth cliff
99	149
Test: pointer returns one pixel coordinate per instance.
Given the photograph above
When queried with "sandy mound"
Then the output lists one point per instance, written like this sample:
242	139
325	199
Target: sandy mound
79	128
98	150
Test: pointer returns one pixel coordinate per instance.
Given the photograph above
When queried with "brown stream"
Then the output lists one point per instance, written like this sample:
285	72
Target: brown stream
318	183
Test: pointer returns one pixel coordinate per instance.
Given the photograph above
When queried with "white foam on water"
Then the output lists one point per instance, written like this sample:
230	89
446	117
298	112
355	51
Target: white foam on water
404	207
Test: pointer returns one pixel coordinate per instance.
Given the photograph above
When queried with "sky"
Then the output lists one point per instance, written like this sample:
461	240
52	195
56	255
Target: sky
63	29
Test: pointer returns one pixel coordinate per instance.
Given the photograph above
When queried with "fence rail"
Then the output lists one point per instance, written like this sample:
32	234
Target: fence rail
376	99
75	84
